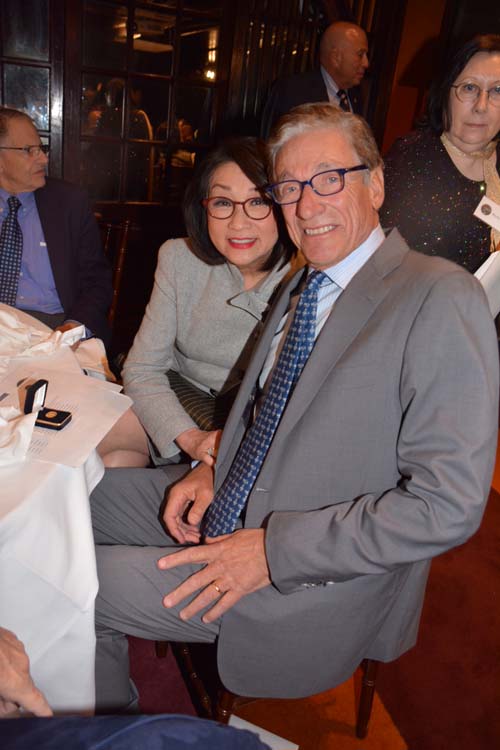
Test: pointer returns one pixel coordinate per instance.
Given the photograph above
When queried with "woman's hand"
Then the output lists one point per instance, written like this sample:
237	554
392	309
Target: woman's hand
199	444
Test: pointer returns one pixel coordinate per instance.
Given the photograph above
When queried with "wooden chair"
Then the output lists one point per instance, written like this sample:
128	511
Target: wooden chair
114	236
222	705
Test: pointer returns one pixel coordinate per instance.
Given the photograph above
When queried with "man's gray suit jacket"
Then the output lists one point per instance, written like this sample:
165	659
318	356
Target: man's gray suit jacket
382	460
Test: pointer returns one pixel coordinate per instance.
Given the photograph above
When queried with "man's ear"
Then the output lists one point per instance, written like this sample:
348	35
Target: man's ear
376	187
334	57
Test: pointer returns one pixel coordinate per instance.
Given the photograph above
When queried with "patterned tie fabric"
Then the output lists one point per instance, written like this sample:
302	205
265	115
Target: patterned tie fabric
343	100
224	510
11	251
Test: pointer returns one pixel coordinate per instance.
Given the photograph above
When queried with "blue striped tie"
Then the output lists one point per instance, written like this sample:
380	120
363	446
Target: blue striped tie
225	509
11	252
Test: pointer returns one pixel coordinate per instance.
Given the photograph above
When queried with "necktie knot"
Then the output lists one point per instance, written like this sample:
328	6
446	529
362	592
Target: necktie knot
14	204
315	279
343	100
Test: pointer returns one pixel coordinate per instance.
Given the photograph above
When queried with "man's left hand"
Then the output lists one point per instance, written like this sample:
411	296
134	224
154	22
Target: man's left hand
235	565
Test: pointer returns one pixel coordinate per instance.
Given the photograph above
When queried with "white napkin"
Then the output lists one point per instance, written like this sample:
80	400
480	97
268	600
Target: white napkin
55	341
91	356
20	339
15	336
16	430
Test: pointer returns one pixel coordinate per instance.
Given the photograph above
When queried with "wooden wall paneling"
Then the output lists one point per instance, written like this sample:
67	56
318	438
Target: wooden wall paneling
313	23
249	65
291	62
419	56
175	70
303	33
269	37
357	10
278	12
465	18
56	25
268	34
384	36
338	10
72	89
240	29
367	13
260	74
272	53
226	46
125	110
253	62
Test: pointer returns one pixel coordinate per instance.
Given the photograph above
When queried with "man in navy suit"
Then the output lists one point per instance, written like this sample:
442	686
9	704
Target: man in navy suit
343	56
63	278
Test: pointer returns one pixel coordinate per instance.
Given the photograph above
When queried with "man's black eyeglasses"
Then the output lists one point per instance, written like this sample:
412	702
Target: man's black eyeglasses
323	183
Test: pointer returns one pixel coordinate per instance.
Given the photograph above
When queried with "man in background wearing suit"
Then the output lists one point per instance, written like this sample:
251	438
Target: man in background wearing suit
51	259
343	57
361	444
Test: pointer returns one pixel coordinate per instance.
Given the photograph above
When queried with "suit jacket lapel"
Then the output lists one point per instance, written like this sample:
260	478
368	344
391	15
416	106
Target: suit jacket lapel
53	232
355	99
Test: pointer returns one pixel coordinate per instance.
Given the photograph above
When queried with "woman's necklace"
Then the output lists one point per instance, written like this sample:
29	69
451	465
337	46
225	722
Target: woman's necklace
483	153
491	180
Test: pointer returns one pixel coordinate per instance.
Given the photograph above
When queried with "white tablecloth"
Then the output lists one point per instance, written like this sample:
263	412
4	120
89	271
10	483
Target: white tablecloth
48	579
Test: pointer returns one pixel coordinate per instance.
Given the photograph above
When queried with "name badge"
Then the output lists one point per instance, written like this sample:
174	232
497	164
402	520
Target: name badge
489	212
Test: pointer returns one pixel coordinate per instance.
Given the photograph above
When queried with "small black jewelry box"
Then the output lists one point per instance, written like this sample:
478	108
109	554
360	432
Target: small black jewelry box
52	419
35	396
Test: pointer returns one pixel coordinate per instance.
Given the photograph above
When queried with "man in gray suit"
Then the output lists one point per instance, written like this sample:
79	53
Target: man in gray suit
380	459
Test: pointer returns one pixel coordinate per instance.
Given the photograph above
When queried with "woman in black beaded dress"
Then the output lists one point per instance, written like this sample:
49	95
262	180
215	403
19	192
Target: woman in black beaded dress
436	175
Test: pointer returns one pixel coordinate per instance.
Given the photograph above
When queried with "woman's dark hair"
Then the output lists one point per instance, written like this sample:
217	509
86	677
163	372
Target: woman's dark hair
438	115
250	155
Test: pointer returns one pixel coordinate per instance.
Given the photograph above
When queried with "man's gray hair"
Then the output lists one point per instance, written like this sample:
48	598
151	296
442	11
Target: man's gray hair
6	115
322	115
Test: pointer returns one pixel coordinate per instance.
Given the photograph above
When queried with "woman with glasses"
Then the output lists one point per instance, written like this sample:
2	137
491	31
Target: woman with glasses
210	293
436	176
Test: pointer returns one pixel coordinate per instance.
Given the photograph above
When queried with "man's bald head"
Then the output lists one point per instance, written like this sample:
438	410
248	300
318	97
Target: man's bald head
343	53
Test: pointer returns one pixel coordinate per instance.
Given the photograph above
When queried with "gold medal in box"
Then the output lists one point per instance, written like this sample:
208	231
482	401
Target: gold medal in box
53	419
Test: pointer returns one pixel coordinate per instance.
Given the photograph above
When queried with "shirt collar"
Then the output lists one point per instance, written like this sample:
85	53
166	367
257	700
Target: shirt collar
26	200
330	84
341	273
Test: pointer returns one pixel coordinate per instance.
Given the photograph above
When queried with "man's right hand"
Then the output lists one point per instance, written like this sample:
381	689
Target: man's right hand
193	495
16	686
